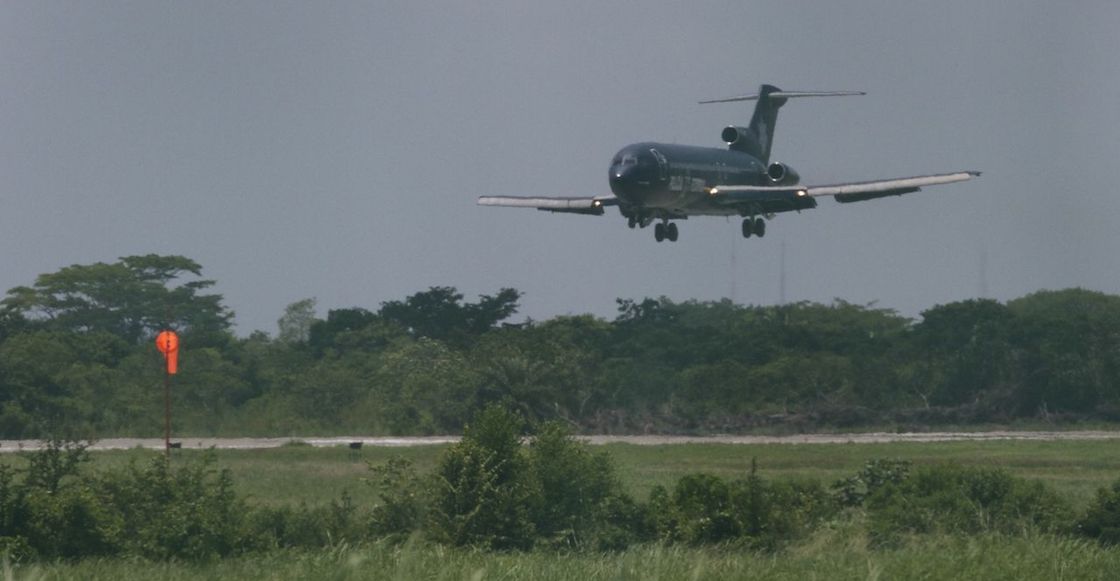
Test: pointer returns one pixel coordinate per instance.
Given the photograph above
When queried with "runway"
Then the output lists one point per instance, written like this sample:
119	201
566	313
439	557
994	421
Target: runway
637	440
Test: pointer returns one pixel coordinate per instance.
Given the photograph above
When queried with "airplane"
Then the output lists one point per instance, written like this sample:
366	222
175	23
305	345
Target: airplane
661	182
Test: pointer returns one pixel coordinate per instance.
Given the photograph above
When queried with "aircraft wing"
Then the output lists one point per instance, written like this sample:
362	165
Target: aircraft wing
593	205
845	192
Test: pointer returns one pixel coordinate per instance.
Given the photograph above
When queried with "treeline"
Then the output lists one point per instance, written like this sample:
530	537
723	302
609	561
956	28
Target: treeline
77	360
492	492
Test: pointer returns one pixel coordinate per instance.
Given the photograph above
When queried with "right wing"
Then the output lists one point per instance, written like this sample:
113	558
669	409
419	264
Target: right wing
593	206
844	192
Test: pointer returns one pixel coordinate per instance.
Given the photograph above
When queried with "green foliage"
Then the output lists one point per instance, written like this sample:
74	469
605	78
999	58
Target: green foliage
1101	520
437	313
704	509
76	362
190	512
952	499
404	498
130	299
875	474
481	494
294	326
576	490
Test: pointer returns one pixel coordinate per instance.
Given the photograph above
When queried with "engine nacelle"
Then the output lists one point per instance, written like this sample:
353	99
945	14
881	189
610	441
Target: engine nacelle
741	139
781	174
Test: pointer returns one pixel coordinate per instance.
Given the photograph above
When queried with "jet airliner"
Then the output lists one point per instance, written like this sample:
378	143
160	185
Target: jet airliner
657	183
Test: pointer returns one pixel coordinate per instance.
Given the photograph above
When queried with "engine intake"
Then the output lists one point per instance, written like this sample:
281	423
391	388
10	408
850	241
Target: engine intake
741	139
781	174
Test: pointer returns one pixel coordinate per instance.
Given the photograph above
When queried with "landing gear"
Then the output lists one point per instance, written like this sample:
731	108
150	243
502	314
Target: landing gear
632	222
665	231
754	226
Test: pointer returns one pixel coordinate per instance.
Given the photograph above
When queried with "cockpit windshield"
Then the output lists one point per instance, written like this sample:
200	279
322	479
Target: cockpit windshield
629	159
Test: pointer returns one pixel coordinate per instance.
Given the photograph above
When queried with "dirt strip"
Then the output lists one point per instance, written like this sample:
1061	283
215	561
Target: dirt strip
646	440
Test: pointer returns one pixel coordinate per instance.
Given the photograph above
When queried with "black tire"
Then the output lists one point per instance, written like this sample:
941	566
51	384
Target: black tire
632	222
759	227
748	227
671	232
659	232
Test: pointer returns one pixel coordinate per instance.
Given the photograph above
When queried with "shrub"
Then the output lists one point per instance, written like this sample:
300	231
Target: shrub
573	486
190	512
876	473
481	497
1101	520
404	498
335	524
705	509
956	500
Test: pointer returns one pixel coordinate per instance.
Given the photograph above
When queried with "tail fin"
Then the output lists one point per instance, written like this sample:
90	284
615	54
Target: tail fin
770	99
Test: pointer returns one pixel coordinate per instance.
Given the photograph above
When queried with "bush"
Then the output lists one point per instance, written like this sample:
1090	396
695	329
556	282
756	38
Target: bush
705	509
404	499
481	497
1101	520
285	527
956	500
190	512
574	488
875	474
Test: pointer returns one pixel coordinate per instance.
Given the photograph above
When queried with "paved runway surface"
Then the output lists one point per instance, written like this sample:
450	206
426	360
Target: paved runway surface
865	438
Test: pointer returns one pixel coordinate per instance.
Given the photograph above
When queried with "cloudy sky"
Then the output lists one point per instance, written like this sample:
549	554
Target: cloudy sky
335	150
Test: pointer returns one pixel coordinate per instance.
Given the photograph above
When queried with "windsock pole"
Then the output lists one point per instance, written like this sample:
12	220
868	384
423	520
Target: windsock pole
168	343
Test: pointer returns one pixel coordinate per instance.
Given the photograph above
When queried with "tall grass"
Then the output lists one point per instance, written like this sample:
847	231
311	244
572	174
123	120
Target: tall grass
831	555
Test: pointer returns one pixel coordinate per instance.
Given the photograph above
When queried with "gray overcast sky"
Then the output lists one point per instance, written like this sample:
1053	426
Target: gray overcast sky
335	150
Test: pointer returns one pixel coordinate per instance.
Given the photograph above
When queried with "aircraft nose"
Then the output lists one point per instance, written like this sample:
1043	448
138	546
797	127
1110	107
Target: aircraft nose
621	174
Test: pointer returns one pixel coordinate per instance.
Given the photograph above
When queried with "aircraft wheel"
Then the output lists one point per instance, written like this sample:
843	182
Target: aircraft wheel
659	232
671	232
759	227
748	227
632	222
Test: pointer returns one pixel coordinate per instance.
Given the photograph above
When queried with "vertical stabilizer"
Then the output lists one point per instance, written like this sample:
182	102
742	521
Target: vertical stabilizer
758	138
764	118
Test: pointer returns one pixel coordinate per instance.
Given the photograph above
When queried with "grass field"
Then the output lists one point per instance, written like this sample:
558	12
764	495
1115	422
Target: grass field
294	474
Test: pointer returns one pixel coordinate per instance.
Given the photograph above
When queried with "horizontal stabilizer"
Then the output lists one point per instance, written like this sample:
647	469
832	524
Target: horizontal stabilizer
784	95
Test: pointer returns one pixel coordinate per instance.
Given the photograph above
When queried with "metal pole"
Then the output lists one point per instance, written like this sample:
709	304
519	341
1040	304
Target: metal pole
167	413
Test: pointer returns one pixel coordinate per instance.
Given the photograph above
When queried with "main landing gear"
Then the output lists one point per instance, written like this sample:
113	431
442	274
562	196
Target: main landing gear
754	226
665	231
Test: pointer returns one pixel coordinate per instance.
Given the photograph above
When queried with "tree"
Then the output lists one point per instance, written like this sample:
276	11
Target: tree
295	325
439	313
321	335
132	298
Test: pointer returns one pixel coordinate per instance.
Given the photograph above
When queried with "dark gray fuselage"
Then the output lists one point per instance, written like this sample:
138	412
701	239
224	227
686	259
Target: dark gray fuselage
663	180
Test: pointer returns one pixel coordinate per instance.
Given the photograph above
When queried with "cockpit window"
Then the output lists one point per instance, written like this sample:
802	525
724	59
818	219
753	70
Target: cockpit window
629	159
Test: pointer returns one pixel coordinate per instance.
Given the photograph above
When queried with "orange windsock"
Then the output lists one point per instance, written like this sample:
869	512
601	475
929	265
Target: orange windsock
168	343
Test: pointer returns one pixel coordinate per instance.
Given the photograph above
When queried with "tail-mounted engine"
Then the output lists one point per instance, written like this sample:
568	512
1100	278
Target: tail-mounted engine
781	174
741	139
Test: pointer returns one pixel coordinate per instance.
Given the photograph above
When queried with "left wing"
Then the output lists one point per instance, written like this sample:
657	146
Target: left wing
593	206
846	192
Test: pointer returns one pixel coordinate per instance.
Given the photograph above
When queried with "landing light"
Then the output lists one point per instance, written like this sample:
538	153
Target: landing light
802	193
713	191
596	203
